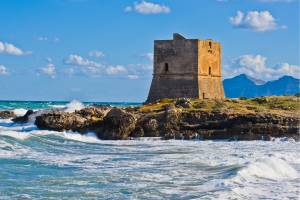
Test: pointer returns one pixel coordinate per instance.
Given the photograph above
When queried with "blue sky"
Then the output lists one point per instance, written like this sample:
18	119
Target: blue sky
97	50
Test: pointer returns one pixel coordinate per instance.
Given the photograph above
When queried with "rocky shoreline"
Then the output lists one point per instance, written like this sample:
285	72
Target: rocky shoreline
232	119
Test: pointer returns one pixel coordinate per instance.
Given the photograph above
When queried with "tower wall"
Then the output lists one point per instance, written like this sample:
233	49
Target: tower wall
175	69
188	68
209	70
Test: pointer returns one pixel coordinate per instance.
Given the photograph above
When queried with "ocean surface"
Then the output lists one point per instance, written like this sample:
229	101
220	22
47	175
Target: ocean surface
40	164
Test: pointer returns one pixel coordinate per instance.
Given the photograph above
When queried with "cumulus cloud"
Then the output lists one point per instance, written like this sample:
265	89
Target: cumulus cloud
3	70
145	7
96	53
259	21
75	59
49	70
112	70
8	48
88	67
256	66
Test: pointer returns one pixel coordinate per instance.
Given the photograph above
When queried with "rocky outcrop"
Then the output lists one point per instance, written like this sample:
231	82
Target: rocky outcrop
178	121
60	121
23	119
80	121
117	125
6	114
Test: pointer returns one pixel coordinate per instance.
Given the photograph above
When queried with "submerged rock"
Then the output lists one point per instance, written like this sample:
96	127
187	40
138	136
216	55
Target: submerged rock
6	114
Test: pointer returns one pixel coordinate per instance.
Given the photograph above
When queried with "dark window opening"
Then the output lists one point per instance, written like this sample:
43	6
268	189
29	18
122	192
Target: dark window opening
209	44
209	71
166	67
203	94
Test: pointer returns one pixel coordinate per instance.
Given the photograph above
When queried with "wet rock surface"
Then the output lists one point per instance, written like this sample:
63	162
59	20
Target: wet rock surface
170	121
6	114
24	118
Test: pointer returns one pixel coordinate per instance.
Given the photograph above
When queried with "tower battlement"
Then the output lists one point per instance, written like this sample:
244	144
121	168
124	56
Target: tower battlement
188	68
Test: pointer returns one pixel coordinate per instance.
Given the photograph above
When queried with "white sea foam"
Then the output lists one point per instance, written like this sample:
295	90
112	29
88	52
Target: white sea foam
20	111
268	168
74	105
14	134
88	138
152	168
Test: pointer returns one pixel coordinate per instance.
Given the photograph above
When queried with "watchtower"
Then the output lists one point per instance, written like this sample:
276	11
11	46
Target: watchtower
188	68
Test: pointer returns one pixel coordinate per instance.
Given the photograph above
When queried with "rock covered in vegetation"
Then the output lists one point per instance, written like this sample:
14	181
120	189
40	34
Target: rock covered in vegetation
6	114
231	119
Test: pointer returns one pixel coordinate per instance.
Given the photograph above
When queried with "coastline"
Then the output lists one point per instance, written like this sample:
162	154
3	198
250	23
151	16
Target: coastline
260	118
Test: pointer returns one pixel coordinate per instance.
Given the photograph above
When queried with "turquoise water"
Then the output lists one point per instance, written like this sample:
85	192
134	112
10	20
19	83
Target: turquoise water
4	105
40	164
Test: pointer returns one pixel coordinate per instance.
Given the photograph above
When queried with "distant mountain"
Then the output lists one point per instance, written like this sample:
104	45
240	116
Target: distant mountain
256	81
245	86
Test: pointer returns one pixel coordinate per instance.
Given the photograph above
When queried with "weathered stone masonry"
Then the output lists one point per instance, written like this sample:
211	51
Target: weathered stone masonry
188	68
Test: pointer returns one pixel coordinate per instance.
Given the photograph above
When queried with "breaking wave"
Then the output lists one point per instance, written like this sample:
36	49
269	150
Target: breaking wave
61	165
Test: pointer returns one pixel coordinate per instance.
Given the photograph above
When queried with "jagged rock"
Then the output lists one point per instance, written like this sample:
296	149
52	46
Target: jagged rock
23	119
6	114
93	112
231	121
169	124
60	121
117	124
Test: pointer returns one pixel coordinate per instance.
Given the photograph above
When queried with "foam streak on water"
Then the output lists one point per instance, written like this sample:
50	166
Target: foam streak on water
37	164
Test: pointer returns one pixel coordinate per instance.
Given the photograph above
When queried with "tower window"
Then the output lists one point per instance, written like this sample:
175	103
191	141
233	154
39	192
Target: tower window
166	67
209	71
209	44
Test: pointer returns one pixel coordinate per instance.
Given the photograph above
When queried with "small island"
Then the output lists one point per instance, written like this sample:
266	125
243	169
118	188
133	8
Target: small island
261	118
186	101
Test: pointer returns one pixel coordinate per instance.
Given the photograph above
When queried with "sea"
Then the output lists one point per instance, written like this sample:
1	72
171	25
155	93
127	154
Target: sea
41	164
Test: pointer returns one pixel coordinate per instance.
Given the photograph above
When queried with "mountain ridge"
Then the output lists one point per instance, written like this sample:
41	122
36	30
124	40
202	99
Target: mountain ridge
246	86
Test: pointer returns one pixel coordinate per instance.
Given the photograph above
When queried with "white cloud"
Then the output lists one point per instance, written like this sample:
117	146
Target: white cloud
148	56
132	77
11	49
3	70
88	67
145	7
75	59
49	70
112	70
259	21
96	53
256	66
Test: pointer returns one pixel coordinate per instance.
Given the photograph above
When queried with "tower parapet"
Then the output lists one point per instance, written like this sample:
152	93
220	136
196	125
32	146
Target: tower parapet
188	68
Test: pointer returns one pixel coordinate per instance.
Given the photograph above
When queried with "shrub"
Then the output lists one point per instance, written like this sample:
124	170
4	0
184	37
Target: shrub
243	98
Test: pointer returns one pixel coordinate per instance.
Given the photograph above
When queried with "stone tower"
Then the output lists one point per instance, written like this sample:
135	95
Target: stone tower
188	68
